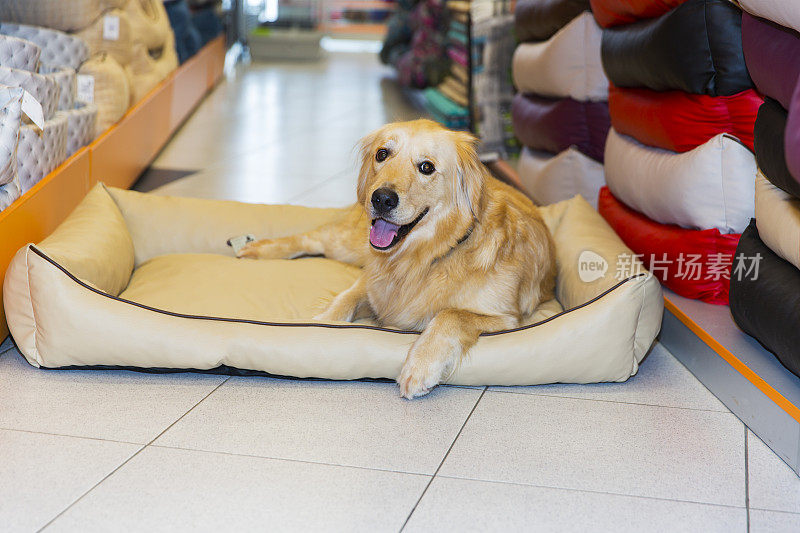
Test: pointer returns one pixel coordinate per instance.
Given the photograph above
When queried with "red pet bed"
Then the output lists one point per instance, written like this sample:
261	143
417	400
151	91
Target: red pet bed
695	264
679	121
613	12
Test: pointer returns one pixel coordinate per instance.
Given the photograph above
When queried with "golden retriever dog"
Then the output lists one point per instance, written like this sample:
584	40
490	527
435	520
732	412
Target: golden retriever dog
445	248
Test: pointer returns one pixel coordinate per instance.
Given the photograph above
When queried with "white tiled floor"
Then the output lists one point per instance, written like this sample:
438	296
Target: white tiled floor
114	450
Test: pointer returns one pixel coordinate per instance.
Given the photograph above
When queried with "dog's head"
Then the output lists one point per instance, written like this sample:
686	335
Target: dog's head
417	178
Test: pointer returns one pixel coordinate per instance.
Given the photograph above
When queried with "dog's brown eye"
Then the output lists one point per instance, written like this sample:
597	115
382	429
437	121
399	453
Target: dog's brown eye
381	155
426	167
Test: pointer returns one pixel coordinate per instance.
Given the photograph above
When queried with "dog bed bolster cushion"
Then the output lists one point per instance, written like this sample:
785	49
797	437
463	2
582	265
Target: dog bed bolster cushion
64	15
783	12
554	125
566	65
696	47
679	121
767	306
614	12
770	129
40	151
537	20
672	252
778	220
65	303
549	178
19	53
772	54
711	186
58	48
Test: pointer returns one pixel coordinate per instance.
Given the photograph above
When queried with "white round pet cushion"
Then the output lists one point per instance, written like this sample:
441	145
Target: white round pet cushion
709	187
58	48
778	220
549	178
19	53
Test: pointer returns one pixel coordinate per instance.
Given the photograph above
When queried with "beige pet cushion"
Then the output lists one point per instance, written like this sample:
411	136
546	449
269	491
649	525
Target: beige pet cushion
111	90
65	77
41	151
64	15
58	48
143	73
10	118
95	38
81	122
778	220
190	305
19	53
167	58
149	22
43	88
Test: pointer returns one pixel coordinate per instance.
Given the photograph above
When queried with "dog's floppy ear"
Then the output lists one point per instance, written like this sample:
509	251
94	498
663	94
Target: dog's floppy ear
471	173
365	158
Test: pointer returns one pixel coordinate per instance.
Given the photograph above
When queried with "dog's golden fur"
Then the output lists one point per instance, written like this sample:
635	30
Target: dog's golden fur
481	258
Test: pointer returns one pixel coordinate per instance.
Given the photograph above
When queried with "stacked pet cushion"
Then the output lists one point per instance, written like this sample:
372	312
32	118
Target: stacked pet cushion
18	53
43	88
765	305
58	48
111	90
61	15
696	48
41	151
678	161
560	114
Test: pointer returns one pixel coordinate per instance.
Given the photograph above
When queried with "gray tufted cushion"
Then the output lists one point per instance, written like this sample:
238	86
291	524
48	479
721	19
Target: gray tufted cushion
111	90
19	53
10	117
58	48
66	79
64	15
80	126
39	152
42	87
9	193
119	49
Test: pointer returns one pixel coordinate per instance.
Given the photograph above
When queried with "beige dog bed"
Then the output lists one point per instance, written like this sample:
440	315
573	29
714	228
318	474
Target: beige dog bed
145	281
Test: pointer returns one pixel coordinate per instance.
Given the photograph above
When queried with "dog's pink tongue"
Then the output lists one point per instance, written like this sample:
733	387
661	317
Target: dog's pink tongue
382	233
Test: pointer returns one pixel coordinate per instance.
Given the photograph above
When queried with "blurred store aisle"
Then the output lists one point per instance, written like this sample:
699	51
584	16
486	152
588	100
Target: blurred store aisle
281	132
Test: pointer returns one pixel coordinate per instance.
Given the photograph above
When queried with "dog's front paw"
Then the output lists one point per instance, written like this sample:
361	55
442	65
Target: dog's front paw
418	376
249	251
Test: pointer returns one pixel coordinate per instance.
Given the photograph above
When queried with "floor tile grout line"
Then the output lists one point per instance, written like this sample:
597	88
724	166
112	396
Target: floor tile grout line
447	453
129	459
793	513
287	459
747	477
594	491
726	411
69	436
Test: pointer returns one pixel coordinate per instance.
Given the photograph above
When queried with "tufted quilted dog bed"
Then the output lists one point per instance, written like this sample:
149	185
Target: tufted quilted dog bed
770	151
42	87
768	307
537	20
64	15
565	66
19	53
778	220
65	78
41	151
614	12
553	125
549	178
772	54
679	121
696	47
58	48
80	126
708	187
783	12
119	48
10	118
693	263
9	193
111	288
111	90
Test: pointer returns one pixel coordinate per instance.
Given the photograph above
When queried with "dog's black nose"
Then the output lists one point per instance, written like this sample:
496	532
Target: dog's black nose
384	200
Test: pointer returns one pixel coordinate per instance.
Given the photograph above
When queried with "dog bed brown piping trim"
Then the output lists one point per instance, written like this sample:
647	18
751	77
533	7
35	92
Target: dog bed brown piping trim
313	324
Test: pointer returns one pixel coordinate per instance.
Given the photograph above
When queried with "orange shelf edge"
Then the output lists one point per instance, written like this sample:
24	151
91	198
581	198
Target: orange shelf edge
117	157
